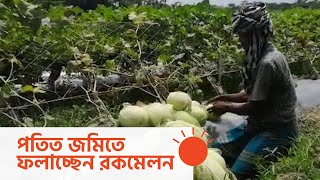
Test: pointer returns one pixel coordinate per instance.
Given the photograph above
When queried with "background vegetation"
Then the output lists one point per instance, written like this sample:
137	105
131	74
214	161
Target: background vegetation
144	51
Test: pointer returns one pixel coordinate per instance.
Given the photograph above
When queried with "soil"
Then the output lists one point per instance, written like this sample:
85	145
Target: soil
309	121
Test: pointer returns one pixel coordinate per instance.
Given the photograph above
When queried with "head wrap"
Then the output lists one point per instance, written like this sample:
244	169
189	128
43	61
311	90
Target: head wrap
253	17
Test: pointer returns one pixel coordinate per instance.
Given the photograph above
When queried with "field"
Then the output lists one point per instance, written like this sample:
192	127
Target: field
150	52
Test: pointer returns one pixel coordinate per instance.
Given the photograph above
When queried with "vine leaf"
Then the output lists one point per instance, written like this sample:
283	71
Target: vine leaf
109	49
5	91
164	58
179	56
28	122
48	117
110	64
137	18
27	88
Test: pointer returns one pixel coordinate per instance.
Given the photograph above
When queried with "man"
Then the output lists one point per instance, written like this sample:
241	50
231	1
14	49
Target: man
268	98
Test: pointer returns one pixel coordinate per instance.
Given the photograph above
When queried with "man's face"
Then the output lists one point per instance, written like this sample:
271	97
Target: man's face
245	40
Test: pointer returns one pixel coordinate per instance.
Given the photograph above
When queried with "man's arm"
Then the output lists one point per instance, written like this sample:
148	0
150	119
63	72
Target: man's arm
244	109
259	96
240	97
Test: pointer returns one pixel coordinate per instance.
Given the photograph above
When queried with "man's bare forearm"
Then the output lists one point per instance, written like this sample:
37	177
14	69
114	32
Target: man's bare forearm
241	109
240	97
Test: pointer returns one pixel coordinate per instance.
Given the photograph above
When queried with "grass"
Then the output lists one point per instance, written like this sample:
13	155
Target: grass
71	116
303	162
82	115
79	114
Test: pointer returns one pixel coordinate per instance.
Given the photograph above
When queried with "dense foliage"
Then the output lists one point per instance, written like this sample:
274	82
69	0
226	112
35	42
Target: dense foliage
93	4
154	50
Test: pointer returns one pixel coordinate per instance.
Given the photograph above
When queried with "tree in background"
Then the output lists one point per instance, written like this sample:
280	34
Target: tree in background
92	4
313	4
206	1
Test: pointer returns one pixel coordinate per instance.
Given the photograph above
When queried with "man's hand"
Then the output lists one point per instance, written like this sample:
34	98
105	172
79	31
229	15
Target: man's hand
219	108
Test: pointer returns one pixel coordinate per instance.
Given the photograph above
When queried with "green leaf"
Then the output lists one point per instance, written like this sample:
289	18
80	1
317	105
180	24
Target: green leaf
207	42
110	64
131	33
77	10
131	53
94	124
3	6
88	35
184	65
164	58
48	117
191	35
27	88
16	1
28	122
2	24
5	91
87	61
75	50
126	44
109	49
179	56
137	18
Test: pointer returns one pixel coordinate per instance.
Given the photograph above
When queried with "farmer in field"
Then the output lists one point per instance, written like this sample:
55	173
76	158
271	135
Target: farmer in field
268	97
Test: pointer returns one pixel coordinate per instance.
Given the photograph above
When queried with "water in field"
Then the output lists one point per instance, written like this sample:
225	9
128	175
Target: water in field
308	92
